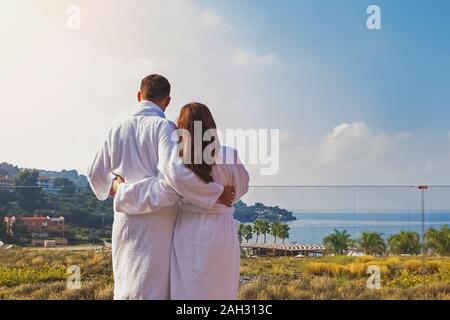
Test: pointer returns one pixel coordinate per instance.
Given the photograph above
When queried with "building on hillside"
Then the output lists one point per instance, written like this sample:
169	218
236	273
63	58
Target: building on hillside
38	223
47	185
6	183
43	229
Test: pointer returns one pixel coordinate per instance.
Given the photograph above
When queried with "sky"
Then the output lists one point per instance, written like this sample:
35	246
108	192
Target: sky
354	106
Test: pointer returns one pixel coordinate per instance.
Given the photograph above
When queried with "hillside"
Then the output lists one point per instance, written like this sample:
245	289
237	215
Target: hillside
87	218
245	213
80	180
83	202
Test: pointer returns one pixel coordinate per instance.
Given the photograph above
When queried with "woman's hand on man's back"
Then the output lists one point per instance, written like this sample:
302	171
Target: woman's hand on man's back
227	196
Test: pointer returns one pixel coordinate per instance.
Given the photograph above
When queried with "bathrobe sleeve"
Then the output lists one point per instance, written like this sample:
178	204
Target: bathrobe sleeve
152	193
100	174
145	196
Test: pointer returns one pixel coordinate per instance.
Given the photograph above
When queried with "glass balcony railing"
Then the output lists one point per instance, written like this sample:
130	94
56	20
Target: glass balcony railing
335	242
310	212
318	211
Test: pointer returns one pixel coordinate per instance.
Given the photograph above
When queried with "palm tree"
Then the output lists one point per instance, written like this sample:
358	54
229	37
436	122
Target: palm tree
258	227
284	232
246	232
338	242
241	232
372	243
405	242
438	241
275	229
265	228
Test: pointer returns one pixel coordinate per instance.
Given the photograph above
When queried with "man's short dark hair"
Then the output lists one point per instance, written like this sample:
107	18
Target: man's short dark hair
155	86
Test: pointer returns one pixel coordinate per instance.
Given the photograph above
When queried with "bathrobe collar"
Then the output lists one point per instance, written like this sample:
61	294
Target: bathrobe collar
148	108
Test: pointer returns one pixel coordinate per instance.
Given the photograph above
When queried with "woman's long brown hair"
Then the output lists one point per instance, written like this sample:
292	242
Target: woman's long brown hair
189	114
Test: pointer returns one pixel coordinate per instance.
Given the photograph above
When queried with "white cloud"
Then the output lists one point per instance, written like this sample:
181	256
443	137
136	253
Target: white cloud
62	90
356	154
353	142
245	57
210	18
405	136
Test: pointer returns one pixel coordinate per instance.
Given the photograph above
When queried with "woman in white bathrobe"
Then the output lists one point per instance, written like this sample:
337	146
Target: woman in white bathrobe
205	257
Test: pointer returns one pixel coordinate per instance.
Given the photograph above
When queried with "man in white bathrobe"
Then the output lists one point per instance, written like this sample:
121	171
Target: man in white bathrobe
140	148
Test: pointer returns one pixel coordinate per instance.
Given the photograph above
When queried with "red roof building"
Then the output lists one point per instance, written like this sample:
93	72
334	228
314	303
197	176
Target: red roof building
36	223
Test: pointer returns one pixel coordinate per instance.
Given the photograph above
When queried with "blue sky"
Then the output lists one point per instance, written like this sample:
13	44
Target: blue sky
401	73
354	106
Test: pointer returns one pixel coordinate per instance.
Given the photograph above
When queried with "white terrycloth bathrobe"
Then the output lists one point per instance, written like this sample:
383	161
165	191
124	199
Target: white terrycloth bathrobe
141	244
205	256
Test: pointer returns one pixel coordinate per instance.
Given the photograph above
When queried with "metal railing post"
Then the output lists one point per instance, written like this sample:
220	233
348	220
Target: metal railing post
422	211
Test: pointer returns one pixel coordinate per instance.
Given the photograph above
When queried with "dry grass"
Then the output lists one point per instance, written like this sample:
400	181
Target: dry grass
41	274
345	278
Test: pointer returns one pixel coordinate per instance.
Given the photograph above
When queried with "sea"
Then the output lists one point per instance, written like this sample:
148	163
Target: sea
311	228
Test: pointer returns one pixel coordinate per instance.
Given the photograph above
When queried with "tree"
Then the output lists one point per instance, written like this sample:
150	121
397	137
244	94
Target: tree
246	231
5	201
275	230
29	195
372	243
405	242
3	233
338	242
264	228
259	228
21	235
66	185
284	232
240	232
438	241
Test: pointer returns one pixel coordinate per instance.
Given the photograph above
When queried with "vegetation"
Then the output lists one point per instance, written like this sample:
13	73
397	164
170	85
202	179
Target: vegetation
86	218
245	232
21	234
66	185
405	242
338	242
28	194
79	180
290	278
275	229
42	274
372	243
261	227
283	234
278	230
438	241
258	225
259	211
6	199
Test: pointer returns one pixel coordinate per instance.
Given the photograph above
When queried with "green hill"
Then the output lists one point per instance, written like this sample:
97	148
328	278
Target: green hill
245	213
